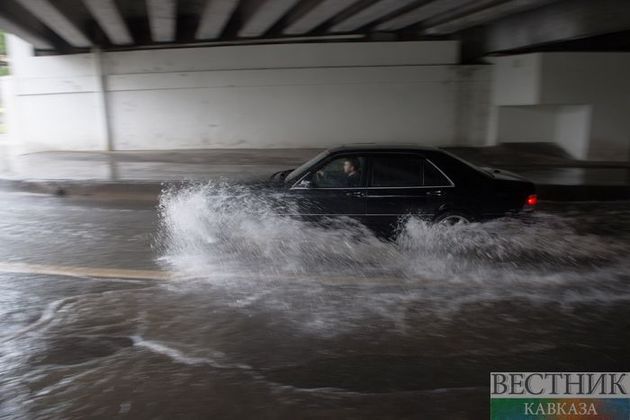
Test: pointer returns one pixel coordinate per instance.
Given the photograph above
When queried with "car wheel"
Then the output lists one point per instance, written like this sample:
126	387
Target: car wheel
450	219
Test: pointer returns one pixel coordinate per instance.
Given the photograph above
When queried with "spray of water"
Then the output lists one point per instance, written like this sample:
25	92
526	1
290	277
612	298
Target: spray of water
239	238
212	231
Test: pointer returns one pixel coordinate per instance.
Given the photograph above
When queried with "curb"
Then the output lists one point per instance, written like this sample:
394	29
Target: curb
114	190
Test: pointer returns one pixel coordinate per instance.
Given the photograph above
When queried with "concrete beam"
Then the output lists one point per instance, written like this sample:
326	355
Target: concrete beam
162	19
32	37
368	15
422	13
483	16
317	15
560	21
214	18
109	18
268	13
57	21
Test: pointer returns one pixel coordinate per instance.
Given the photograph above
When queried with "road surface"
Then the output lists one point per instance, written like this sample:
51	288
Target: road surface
194	309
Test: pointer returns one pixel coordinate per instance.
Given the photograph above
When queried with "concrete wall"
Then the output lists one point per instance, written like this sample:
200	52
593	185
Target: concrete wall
572	129
523	124
54	103
566	125
600	80
585	97
473	105
283	107
307	95
316	95
516	80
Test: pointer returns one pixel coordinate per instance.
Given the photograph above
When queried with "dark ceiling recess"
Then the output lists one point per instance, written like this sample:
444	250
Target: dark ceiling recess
617	41
484	27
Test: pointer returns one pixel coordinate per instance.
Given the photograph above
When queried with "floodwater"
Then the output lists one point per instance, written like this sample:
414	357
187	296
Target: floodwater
270	317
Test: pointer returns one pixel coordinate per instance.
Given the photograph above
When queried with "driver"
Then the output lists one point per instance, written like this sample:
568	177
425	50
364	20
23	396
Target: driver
352	169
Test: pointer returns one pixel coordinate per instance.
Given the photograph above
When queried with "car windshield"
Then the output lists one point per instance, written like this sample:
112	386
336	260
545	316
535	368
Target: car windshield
297	171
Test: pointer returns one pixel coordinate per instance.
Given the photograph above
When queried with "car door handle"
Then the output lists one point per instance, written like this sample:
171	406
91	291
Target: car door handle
434	193
355	194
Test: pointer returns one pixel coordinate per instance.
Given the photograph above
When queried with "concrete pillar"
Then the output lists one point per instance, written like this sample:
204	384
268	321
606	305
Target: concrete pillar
103	106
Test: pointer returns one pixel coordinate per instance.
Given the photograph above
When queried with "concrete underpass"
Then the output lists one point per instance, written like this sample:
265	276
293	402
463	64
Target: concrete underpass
147	272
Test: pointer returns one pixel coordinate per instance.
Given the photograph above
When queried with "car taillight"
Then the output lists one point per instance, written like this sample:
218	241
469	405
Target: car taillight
532	200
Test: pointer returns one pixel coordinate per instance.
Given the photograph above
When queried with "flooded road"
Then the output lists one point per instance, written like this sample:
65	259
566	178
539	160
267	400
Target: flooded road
272	318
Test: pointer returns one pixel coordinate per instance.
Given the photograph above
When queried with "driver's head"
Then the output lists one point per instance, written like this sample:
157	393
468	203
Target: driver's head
351	165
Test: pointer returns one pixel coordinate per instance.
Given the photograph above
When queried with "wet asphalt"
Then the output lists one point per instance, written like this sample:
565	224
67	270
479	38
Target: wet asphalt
335	326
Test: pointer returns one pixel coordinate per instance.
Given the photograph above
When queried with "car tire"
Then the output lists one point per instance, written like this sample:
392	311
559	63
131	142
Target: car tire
453	218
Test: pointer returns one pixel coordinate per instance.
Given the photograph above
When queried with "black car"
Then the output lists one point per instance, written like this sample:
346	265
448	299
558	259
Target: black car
380	184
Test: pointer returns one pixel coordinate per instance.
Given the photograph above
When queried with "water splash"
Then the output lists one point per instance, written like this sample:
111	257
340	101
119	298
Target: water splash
207	228
236	238
214	230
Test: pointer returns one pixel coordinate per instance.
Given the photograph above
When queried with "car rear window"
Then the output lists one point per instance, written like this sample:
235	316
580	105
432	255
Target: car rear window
405	171
396	171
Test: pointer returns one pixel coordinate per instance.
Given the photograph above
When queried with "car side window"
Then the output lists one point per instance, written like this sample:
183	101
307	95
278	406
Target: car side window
433	177
396	171
342	172
405	171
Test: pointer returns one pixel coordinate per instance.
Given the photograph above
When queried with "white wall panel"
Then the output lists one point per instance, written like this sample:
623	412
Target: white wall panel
282	116
307	95
587	93
58	122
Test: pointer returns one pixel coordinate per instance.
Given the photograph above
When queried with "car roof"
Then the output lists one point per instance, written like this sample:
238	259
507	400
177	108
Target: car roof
366	147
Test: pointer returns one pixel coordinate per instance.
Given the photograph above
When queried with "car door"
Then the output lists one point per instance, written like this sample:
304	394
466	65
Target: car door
401	184
328	191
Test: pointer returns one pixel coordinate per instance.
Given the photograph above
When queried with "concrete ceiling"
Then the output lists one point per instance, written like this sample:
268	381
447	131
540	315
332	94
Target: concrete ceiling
483	26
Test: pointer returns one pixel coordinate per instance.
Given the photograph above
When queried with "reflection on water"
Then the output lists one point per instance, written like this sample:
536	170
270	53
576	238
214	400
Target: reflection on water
273	317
